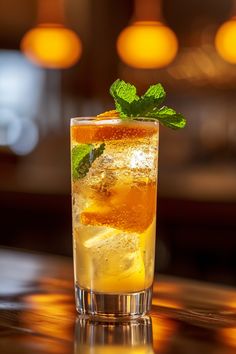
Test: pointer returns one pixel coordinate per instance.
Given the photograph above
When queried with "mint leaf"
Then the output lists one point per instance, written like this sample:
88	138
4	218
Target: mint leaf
155	94
131	106
149	102
79	152
96	152
82	156
168	117
126	91
124	95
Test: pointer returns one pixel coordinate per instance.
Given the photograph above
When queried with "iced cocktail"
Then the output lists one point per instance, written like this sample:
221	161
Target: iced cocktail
114	185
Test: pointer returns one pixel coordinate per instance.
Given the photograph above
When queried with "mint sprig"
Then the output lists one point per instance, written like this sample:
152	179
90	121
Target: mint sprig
82	157
147	107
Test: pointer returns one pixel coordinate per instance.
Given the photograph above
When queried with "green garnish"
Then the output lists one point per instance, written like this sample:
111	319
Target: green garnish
130	107
83	155
147	107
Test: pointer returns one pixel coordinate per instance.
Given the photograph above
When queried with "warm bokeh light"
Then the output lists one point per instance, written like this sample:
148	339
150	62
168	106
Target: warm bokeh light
57	308
168	303
228	336
225	41
147	45
163	330
52	46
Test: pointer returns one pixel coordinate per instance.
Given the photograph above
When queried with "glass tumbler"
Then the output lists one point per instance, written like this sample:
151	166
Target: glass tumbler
114	187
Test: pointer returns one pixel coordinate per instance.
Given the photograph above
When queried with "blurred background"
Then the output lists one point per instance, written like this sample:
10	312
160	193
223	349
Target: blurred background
58	59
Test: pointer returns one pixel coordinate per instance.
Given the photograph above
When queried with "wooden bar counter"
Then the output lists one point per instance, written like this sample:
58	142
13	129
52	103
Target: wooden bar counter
37	314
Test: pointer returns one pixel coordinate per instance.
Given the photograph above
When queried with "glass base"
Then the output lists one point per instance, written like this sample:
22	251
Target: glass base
112	307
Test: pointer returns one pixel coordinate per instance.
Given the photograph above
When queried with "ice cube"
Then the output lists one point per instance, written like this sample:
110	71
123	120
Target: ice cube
114	251
100	238
102	176
109	239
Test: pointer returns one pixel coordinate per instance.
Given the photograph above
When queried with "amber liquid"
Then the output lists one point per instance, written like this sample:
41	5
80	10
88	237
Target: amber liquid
114	208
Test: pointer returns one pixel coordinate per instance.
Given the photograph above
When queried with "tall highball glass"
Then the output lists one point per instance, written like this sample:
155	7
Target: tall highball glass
114	188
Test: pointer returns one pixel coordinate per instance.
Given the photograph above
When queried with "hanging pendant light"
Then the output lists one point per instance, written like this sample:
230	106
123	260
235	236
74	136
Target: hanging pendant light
225	39
51	44
147	42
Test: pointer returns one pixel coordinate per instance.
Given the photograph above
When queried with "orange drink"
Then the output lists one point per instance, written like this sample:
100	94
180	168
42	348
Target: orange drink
114	185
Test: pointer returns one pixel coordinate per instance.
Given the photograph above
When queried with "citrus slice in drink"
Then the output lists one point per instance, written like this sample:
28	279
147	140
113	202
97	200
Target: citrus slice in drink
112	113
126	208
92	133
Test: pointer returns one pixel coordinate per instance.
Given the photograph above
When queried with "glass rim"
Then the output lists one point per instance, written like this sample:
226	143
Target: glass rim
109	120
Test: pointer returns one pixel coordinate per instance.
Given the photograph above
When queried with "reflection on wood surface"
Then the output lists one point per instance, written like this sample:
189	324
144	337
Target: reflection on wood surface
37	314
134	337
